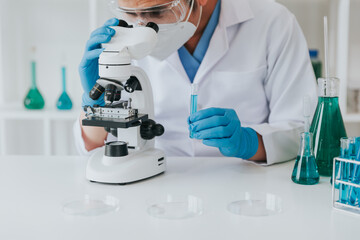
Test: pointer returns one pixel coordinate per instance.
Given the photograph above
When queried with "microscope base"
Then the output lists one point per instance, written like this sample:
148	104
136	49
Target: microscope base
137	166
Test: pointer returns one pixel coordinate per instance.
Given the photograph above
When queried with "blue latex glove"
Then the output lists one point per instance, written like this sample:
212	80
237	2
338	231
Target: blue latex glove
89	68
221	128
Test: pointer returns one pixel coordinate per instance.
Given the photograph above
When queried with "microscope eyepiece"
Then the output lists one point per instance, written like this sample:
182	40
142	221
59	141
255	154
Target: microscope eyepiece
123	23
96	92
153	26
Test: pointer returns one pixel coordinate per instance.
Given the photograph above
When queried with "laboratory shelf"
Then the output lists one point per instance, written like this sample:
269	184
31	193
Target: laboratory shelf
20	112
47	131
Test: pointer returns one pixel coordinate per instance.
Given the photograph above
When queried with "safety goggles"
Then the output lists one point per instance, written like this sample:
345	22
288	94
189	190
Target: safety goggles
171	12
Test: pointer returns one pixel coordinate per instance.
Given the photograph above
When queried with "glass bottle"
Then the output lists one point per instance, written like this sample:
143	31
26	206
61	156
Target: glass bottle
64	101
327	126
305	169
33	99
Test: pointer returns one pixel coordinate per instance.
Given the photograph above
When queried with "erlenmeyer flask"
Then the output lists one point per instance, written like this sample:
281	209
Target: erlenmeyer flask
64	101
327	126
33	99
305	168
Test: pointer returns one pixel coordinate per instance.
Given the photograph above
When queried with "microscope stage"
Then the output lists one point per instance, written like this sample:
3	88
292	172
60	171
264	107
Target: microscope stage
114	122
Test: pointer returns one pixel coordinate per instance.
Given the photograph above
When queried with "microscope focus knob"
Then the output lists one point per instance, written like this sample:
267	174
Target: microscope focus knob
150	129
116	149
158	130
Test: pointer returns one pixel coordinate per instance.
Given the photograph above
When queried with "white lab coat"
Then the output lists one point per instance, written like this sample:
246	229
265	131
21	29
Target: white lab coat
257	63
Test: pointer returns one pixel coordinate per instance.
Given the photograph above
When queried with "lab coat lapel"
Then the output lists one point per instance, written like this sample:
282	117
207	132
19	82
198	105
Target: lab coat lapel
232	12
217	49
175	63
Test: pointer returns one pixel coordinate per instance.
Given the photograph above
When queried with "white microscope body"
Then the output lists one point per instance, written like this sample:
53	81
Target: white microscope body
133	157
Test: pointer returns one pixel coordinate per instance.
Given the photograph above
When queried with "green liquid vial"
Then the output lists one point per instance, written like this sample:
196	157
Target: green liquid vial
316	63
34	99
327	126
305	169
64	101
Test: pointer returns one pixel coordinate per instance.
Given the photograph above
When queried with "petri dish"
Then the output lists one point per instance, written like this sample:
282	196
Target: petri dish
174	207
256	205
89	206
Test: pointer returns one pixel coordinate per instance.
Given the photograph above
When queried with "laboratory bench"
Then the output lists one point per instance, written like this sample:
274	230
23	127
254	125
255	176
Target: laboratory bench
35	189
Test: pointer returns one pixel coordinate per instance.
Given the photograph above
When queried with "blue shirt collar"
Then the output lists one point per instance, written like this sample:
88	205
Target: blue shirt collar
192	63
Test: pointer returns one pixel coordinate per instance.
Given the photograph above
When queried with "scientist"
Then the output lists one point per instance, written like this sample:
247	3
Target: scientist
249	59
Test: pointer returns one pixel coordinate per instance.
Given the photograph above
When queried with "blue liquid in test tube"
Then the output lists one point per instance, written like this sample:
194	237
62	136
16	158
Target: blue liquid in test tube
355	173
194	100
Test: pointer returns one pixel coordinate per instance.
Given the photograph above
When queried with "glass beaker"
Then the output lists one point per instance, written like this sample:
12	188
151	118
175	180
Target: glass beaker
305	169
327	125
64	101
33	99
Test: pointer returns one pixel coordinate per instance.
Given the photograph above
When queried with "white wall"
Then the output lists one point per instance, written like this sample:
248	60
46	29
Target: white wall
58	30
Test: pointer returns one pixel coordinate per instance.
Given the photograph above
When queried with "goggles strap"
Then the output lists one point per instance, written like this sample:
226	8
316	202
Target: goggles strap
190	11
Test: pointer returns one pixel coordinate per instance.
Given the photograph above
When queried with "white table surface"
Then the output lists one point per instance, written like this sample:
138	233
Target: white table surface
34	189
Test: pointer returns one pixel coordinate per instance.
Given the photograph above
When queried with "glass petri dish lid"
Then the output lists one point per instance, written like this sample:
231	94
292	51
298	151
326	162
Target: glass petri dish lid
256	204
175	207
89	206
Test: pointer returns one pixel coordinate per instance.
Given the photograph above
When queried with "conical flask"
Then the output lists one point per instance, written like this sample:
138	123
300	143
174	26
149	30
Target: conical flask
64	101
327	125
33	99
305	169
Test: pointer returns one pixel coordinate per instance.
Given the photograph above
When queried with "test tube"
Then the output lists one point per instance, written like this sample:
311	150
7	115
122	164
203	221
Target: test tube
354	172
346	145
193	101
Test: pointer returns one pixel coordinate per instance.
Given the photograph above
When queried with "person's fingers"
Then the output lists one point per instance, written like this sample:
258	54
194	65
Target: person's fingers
93	54
210	122
224	142
96	41
103	31
216	132
111	22
206	113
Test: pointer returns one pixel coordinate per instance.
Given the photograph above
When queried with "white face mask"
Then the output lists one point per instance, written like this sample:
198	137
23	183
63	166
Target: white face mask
172	37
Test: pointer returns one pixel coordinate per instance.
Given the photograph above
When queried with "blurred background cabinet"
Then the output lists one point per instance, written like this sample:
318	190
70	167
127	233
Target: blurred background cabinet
58	31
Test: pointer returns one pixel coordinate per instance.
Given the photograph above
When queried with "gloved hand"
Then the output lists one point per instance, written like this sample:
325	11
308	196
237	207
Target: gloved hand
221	128
89	68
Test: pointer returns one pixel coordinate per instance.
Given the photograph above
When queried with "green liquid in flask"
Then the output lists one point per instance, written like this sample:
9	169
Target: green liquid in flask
64	101
327	127
34	99
305	169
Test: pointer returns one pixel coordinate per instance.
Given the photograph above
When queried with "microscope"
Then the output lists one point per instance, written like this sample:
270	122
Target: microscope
133	156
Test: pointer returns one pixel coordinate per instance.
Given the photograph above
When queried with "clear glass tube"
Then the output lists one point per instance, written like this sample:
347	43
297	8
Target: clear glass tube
354	171
193	101
343	170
